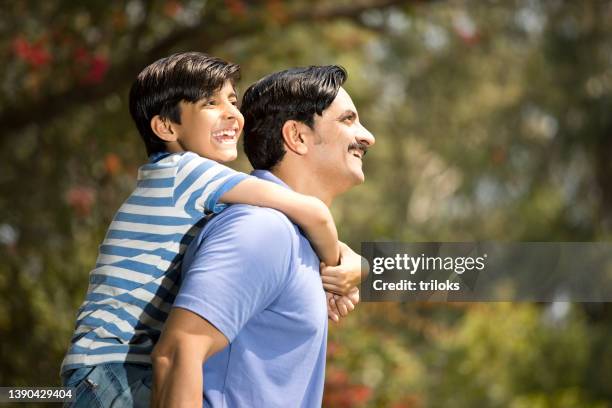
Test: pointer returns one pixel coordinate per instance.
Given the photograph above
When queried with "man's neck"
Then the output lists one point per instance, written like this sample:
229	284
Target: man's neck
304	182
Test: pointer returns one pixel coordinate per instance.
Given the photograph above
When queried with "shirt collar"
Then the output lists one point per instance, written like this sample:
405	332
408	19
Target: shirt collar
157	156
267	175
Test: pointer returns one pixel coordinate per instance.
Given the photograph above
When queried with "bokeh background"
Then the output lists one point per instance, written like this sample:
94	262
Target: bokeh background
493	122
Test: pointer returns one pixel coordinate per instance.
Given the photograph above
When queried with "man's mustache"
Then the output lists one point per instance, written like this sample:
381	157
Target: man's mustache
360	146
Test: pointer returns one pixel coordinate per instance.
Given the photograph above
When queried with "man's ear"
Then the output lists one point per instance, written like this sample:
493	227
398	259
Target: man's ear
163	129
293	135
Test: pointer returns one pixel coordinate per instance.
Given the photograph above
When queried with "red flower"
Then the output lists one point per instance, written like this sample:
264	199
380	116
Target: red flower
34	54
337	377
236	8
112	164
80	199
21	48
332	348
172	8
96	66
361	393
97	69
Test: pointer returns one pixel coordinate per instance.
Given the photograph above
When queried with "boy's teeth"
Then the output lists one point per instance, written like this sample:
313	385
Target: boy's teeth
229	133
227	136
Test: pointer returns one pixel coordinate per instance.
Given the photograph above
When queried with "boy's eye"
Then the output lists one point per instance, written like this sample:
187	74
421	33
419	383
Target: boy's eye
209	102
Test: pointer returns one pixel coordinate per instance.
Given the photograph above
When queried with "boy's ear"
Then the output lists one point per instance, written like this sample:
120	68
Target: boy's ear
162	127
293	135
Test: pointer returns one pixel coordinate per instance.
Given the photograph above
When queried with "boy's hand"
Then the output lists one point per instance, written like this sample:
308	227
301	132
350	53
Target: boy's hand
332	308
342	278
340	306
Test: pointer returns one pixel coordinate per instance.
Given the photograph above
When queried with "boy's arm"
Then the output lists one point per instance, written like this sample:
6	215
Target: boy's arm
308	212
343	278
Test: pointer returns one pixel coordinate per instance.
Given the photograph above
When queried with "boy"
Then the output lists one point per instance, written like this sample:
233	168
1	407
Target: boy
184	107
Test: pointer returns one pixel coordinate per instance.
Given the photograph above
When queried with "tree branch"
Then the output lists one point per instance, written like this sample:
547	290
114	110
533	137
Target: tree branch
44	110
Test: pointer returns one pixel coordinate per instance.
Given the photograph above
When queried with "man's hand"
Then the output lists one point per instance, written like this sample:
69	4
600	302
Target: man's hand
343	278
340	306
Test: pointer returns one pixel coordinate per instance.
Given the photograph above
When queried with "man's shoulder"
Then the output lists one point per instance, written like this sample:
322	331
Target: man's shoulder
258	219
257	236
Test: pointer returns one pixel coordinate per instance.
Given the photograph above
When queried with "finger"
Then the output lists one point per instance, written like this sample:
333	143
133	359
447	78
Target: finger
332	309
333	306
342	309
329	279
353	295
330	287
345	300
330	271
338	290
333	316
335	268
333	289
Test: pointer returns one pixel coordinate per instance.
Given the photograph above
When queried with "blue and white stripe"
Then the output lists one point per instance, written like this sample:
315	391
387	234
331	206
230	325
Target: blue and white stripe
133	285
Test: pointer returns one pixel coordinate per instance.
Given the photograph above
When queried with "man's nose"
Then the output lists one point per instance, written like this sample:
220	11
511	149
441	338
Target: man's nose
366	137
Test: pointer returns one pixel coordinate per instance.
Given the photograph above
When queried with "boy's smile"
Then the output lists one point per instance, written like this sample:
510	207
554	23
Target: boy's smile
225	136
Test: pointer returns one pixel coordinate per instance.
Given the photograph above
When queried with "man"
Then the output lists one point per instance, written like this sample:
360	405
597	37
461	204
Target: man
251	304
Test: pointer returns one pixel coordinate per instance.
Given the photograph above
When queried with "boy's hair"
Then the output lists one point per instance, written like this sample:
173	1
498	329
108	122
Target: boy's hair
293	94
158	89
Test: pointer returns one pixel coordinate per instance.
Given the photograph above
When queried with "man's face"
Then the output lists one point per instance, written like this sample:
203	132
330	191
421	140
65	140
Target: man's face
211	127
340	142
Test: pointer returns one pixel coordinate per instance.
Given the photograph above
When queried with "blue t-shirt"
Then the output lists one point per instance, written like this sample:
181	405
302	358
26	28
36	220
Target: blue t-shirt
255	277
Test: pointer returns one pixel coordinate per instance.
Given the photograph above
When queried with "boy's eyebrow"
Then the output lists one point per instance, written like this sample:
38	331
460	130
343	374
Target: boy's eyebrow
232	94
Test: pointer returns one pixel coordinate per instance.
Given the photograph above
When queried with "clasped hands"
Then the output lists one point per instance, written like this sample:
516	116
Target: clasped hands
340	283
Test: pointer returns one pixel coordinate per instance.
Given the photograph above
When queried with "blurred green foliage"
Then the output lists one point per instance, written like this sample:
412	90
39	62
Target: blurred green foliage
493	121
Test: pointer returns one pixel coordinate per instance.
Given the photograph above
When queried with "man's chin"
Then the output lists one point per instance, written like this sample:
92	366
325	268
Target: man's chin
357	178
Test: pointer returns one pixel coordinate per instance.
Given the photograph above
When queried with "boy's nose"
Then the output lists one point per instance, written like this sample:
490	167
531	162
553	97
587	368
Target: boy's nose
231	111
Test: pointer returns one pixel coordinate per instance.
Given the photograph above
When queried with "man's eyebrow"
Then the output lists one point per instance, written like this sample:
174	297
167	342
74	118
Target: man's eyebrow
348	114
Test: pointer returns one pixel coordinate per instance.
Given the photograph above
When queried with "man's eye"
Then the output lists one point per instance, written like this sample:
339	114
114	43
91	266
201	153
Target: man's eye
235	103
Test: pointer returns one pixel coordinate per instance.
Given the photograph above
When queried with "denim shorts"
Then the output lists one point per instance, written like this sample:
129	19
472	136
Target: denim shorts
115	385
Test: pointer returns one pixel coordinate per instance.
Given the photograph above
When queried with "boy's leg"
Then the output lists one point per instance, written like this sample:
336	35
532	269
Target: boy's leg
111	385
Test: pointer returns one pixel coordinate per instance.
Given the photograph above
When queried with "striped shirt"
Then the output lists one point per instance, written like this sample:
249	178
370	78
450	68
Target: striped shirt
134	282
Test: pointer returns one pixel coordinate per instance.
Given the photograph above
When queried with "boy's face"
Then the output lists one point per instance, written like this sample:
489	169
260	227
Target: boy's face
211	127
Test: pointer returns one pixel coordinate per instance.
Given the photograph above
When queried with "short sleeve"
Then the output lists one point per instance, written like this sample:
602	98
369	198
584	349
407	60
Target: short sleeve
201	182
237	268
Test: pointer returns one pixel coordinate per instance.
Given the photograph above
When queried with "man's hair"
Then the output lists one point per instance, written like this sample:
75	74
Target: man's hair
294	94
158	89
